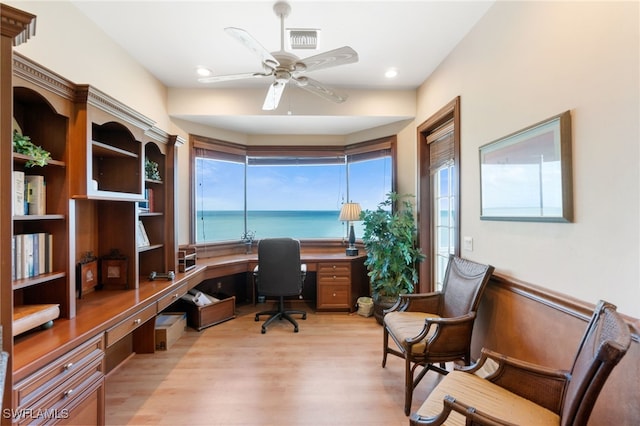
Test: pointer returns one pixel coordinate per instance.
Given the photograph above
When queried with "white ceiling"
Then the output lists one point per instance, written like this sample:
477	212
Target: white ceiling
171	38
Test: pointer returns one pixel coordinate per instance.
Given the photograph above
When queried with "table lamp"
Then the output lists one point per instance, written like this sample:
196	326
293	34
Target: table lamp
349	213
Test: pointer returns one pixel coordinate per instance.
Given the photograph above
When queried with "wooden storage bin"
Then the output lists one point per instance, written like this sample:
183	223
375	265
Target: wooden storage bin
170	327
201	317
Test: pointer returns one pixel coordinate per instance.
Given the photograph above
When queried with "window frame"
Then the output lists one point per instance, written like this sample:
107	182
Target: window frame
220	149
449	112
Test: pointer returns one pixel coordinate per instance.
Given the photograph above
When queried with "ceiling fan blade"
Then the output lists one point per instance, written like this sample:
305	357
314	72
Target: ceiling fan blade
274	94
229	77
317	88
341	56
252	44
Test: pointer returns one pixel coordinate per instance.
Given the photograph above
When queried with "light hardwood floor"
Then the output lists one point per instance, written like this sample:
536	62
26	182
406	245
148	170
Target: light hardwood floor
230	374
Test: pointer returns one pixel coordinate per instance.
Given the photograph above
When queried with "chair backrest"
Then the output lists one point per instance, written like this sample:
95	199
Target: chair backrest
279	267
604	343
464	282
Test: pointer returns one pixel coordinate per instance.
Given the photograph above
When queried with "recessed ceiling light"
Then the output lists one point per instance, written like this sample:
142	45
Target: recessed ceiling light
391	73
203	72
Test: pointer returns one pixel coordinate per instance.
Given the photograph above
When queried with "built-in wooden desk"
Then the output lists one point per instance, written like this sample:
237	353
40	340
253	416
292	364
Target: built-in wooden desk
341	280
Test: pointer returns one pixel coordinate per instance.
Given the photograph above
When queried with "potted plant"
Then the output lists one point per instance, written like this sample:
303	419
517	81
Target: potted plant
38	156
390	237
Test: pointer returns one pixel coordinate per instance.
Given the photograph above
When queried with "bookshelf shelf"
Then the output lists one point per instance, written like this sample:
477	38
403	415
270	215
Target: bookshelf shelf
38	279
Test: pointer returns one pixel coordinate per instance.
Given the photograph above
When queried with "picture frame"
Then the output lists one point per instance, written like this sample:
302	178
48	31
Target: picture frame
527	175
87	276
113	270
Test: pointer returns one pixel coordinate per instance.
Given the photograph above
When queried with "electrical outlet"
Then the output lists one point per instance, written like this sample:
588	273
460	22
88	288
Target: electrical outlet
468	243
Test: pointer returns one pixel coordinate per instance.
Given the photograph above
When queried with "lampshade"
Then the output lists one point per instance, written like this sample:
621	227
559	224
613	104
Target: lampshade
350	212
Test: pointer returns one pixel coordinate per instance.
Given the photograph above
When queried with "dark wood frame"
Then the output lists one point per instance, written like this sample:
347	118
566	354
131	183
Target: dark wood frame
518	144
425	237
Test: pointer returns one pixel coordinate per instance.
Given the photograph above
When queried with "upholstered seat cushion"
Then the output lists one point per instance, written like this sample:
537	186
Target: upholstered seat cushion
486	397
405	325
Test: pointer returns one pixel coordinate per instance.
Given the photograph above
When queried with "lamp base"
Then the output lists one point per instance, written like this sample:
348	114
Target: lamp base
352	251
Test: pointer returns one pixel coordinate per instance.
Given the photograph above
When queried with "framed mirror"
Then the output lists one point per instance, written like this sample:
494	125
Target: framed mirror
527	175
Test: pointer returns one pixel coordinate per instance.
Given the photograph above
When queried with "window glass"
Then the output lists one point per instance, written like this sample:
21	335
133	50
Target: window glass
369	183
276	195
219	195
299	201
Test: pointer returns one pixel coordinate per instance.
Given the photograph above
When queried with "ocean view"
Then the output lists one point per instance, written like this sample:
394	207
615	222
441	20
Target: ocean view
229	224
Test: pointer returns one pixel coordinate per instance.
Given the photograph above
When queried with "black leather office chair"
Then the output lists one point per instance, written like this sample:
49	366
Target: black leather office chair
279	273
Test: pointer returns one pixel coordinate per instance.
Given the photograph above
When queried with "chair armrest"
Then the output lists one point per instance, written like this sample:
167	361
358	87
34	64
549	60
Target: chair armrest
473	416
419	302
543	385
449	331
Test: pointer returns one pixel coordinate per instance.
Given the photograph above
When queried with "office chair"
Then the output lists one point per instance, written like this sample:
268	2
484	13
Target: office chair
279	273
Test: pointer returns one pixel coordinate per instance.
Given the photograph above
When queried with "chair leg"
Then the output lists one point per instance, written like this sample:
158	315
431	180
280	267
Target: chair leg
385	345
408	386
280	314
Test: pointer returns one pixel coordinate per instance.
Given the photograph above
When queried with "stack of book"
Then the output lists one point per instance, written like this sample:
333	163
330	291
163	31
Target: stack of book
29	194
32	254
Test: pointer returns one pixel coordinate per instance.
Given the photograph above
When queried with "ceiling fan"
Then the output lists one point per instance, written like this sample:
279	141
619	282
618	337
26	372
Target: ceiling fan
286	67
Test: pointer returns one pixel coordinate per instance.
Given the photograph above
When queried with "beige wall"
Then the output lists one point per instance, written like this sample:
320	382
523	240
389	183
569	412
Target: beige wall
528	61
522	63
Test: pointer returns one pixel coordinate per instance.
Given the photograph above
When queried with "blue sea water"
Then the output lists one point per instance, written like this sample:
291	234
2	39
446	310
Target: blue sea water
229	225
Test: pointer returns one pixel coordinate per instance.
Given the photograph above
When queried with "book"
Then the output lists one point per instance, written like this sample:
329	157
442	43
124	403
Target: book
48	253
27	255
143	238
36	194
17	189
35	240
150	199
18	257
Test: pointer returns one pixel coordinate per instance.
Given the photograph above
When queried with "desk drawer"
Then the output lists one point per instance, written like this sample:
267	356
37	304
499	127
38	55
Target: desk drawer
127	326
55	403
336	268
175	294
333	296
43	381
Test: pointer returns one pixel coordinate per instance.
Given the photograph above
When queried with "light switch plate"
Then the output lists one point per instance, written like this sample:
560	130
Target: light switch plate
468	243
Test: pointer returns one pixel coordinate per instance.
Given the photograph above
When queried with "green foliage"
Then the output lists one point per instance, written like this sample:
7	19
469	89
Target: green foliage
23	145
151	170
390	240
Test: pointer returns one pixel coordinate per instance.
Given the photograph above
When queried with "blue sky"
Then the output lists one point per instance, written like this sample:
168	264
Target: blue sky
290	187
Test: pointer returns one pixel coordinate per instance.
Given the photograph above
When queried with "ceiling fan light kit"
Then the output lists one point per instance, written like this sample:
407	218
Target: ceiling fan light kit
285	67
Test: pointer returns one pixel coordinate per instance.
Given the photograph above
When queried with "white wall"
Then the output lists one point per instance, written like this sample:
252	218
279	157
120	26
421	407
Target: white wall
528	61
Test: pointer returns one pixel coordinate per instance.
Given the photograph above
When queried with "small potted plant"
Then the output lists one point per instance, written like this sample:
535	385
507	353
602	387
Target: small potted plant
38	156
390	237
247	238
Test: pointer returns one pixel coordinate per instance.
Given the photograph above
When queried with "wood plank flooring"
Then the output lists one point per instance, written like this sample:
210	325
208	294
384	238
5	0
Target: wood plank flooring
329	373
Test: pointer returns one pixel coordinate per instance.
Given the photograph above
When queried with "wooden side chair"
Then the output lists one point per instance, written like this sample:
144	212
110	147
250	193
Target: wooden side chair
435	328
500	390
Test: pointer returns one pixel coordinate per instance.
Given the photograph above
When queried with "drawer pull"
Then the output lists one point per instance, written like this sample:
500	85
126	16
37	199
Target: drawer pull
137	321
175	296
334	277
67	367
68	393
334	295
334	266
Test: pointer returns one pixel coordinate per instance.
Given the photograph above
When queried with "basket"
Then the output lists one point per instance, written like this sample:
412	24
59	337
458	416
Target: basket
365	306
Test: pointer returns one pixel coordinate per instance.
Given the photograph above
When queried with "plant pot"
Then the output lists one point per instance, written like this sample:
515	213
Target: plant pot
381	303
